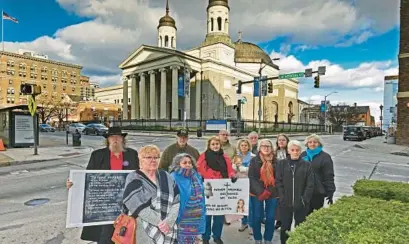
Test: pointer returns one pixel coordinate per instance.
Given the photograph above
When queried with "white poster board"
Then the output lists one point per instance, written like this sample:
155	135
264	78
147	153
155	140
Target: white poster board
224	197
94	198
23	129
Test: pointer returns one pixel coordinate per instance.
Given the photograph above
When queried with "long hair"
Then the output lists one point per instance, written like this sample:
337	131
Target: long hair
286	138
176	161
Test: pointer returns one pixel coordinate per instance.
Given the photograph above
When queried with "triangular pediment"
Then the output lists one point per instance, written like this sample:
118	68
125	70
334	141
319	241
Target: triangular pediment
144	54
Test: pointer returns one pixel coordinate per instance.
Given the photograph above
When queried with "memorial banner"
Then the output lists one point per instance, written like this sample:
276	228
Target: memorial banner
95	197
224	197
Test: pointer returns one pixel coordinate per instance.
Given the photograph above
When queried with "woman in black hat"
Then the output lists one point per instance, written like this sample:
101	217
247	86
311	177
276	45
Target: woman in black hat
113	157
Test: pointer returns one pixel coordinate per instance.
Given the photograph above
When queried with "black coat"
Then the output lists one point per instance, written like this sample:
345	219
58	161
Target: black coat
303	179
323	168
100	160
256	184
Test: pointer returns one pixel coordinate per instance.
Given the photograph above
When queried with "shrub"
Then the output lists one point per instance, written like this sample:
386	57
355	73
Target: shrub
356	220
382	189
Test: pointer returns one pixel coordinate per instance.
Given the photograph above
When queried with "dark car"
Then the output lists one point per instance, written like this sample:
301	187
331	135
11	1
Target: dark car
46	128
95	129
354	132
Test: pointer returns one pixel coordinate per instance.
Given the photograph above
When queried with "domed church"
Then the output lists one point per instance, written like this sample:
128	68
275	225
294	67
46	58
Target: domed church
167	83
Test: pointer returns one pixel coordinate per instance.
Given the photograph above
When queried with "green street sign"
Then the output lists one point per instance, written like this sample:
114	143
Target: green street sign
291	75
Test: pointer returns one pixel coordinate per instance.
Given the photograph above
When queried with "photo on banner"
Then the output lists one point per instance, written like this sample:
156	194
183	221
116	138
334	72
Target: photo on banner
95	197
224	197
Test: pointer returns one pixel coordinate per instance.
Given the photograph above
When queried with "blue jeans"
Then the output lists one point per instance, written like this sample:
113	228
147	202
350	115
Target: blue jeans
248	219
270	211
216	228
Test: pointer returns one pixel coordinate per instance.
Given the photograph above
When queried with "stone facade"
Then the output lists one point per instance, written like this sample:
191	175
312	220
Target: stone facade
402	133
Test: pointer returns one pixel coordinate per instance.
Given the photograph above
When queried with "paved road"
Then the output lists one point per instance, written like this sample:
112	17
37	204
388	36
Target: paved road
46	223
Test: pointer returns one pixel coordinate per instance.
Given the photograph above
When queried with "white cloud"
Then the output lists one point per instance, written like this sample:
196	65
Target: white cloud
366	75
115	30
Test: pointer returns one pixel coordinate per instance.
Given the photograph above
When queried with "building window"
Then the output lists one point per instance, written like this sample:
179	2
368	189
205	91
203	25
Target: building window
219	23
44	70
73	89
10	64
166	41
45	86
211	24
10	82
64	87
10	72
33	68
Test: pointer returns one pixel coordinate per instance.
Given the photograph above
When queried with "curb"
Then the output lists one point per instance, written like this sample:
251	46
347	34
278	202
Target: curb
13	163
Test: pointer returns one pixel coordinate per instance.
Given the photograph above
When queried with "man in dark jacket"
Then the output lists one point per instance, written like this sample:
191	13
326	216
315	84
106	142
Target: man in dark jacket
180	146
295	184
114	157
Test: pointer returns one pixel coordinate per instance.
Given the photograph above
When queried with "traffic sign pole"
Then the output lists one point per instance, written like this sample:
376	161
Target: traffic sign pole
32	106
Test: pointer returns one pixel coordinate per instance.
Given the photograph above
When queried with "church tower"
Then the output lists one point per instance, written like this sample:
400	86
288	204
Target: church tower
167	30
218	17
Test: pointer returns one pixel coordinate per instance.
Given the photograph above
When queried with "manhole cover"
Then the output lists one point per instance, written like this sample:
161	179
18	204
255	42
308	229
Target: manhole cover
37	202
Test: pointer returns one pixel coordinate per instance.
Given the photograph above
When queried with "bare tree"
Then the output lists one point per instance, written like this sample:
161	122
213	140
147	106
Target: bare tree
341	115
46	107
62	110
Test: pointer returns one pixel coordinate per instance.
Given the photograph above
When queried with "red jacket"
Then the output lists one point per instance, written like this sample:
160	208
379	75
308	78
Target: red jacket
207	173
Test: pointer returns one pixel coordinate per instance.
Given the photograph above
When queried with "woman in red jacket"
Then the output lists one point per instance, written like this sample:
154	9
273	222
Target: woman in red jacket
214	164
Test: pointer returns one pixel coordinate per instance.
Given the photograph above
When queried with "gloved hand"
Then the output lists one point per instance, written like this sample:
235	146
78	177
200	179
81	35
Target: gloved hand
264	196
233	179
329	199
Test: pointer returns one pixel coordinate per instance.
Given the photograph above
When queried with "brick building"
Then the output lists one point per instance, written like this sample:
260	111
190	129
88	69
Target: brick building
402	133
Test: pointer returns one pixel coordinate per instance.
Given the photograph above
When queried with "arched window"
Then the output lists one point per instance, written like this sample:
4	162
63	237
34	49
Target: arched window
211	24
290	107
172	43
166	41
225	25
219	23
161	41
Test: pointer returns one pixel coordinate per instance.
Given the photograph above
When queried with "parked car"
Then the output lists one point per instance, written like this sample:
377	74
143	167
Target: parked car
95	129
76	126
46	128
354	132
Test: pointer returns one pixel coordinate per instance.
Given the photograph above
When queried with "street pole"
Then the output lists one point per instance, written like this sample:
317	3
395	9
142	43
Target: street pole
381	118
35	129
260	96
325	110
66	124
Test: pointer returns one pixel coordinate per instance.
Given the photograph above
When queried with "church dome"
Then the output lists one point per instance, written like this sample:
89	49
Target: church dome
167	20
224	3
246	52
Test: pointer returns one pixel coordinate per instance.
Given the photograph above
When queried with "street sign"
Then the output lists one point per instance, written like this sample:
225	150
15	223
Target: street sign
291	75
323	107
256	86
322	70
308	73
32	106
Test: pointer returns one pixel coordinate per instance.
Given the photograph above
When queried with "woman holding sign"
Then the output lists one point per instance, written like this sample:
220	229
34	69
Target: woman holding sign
215	164
263	191
192	212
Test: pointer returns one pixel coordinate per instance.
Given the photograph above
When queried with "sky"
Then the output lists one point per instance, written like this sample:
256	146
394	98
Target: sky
357	40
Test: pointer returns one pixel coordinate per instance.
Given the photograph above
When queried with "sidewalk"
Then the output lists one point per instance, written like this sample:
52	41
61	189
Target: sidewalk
15	156
207	135
377	144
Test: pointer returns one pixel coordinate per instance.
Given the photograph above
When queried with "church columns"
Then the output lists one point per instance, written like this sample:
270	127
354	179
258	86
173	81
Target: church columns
198	95
142	97
134	98
125	98
187	93
175	98
163	93
152	95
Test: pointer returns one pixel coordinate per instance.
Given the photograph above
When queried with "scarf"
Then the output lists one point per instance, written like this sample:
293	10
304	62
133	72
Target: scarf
140	193
267	170
245	158
217	162
311	153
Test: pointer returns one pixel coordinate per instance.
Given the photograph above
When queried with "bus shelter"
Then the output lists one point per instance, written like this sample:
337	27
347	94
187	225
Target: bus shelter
16	126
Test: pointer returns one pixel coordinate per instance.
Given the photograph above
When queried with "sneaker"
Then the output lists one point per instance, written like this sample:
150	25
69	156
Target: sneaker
263	221
226	223
218	241
258	242
205	241
278	225
250	231
243	228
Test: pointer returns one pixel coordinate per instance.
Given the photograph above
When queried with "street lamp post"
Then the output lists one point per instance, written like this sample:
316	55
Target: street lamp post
381	117
325	106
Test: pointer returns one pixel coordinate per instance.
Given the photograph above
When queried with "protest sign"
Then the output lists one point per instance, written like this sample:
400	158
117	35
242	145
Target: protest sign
224	197
95	197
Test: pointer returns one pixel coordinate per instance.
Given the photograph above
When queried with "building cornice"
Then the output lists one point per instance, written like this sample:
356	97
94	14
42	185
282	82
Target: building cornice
16	55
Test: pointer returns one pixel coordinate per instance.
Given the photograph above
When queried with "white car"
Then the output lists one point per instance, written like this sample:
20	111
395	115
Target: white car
76	126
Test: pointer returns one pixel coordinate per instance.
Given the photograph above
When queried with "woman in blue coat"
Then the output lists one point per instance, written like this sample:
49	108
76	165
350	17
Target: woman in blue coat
192	212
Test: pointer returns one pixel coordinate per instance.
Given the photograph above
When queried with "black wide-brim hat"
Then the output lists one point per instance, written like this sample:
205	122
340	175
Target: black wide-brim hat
115	131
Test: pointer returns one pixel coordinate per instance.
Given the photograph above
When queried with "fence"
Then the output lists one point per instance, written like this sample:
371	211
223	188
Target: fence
193	125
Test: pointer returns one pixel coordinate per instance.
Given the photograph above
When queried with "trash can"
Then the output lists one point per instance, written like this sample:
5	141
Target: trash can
199	133
76	139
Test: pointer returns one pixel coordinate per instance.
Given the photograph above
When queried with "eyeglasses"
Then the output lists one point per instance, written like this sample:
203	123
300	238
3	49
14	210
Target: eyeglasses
151	158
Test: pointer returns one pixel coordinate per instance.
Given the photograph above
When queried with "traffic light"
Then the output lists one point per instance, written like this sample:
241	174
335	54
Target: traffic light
239	87
26	89
270	87
317	81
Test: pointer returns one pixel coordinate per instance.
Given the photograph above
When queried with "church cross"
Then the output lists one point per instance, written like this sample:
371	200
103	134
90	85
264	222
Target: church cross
227	187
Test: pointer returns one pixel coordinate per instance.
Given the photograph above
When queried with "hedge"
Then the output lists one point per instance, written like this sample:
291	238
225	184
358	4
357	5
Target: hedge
385	190
356	220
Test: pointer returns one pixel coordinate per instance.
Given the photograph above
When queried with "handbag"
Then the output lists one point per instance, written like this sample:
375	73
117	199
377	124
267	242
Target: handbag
124	230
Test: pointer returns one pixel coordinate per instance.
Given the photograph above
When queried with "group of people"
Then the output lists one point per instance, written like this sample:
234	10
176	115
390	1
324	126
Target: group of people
166	191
